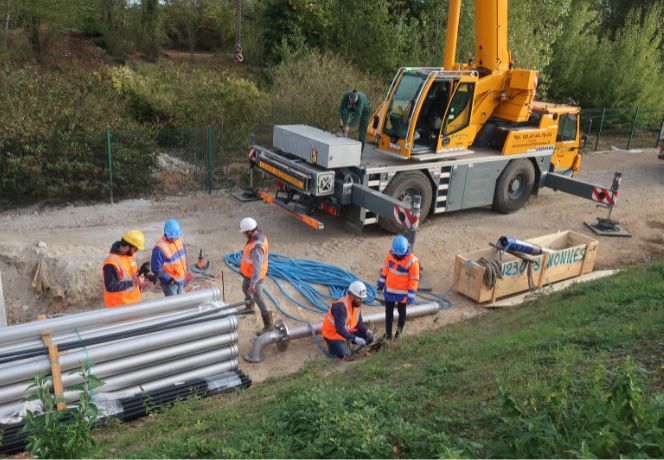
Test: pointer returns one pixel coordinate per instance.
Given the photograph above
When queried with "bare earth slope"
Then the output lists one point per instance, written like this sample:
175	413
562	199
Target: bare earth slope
50	260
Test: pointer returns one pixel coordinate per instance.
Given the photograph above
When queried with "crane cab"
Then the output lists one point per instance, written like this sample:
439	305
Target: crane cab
426	111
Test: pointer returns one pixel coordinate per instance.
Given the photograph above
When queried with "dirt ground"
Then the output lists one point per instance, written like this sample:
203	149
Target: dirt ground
50	259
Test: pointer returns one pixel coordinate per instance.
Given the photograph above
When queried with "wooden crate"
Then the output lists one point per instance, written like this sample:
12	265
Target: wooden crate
572	254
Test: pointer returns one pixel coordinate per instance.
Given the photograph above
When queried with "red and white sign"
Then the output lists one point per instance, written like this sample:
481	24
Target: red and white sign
405	218
605	196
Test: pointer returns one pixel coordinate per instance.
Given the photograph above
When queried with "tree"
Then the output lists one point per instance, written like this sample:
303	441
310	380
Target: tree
150	28
600	72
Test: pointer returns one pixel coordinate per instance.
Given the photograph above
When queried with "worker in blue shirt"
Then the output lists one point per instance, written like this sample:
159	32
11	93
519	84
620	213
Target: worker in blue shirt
169	259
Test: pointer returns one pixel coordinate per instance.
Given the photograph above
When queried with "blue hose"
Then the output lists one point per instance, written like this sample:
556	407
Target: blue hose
303	274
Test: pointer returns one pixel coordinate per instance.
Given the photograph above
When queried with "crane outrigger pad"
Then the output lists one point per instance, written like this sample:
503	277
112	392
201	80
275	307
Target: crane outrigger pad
607	227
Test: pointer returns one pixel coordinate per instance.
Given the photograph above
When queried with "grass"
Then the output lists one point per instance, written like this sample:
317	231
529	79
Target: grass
573	374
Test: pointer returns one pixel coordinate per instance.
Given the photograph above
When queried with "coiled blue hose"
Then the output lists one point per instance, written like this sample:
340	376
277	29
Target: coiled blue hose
304	274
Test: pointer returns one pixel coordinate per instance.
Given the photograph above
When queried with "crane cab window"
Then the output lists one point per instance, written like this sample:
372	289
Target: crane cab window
432	113
458	115
567	128
401	105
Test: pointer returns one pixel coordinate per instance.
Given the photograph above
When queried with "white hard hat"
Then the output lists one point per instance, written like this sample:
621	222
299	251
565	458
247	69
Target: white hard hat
357	288
248	224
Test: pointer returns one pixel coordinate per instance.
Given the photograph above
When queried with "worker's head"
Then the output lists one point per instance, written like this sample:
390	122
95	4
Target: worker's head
172	229
358	292
399	246
134	240
248	226
352	99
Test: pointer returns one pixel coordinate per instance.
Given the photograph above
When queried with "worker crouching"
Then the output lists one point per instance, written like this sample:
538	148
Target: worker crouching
253	268
343	322
398	280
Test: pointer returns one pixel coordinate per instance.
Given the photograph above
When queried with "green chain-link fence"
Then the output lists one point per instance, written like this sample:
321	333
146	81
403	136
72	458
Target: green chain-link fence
120	165
621	128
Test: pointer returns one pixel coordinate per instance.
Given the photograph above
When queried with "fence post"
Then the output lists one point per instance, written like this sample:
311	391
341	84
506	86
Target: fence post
209	160
660	136
631	133
110	164
599	131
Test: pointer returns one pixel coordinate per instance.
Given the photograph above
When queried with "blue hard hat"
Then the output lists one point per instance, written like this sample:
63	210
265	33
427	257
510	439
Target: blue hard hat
399	246
172	229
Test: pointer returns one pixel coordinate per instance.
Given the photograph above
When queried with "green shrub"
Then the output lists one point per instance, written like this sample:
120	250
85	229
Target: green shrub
303	91
51	144
606	416
65	433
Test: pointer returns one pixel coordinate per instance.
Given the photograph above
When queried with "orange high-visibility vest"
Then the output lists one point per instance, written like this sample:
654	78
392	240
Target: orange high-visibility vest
400	276
246	265
175	259
329	330
127	269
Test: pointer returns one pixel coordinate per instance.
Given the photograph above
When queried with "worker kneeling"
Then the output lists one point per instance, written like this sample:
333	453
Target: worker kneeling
343	322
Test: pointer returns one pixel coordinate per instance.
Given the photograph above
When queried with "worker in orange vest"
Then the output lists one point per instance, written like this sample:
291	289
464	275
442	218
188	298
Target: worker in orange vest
398	280
122	283
253	268
343	322
169	259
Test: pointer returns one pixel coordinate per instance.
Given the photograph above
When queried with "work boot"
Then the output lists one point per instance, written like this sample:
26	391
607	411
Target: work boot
267	323
398	333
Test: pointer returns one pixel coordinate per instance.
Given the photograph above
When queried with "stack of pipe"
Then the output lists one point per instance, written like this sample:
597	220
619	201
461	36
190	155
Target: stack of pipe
164	349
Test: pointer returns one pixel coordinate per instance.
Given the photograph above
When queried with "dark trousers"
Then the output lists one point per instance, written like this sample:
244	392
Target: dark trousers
339	349
389	316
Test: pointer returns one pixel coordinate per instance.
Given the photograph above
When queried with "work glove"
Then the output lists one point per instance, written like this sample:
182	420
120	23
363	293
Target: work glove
380	286
360	341
370	338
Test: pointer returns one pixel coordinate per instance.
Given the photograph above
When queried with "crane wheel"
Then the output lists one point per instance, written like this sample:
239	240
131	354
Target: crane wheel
514	186
403	187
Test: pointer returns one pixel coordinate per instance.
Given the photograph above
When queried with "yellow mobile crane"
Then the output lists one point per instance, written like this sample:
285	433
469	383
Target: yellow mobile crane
484	104
454	137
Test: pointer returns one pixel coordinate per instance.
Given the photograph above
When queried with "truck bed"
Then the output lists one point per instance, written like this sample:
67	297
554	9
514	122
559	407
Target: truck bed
377	161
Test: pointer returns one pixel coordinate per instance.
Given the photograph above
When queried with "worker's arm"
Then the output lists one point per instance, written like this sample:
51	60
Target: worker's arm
380	285
339	313
362	328
413	280
112	280
348	116
157	265
257	259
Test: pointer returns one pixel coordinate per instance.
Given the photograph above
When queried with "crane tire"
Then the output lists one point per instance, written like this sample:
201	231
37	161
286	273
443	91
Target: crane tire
402	185
514	186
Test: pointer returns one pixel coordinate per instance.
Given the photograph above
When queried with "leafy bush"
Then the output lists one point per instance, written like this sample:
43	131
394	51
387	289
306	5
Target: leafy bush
51	144
303	91
604	417
65	433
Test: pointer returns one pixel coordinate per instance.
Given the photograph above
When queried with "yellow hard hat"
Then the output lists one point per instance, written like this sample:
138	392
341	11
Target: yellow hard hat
135	238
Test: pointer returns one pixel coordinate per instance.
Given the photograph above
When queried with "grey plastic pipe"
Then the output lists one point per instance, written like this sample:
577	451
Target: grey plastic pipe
35	329
231	365
21	372
203	372
282	335
125	364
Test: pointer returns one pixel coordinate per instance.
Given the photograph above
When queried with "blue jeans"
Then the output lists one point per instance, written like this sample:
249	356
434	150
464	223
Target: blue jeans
338	347
172	289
